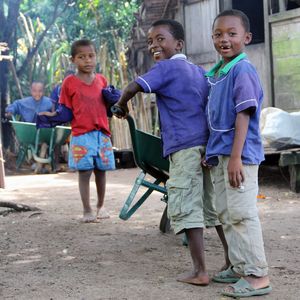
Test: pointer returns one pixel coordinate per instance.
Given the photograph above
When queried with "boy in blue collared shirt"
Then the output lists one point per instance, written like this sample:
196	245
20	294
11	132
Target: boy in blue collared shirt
181	91
235	150
29	107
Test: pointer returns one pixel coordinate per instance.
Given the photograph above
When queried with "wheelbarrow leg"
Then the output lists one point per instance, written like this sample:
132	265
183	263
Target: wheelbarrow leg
126	212
21	157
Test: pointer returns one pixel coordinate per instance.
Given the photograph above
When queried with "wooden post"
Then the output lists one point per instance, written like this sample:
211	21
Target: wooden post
2	172
282	5
3	47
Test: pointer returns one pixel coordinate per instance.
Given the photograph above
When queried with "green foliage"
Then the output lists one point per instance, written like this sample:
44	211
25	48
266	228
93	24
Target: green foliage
107	22
108	16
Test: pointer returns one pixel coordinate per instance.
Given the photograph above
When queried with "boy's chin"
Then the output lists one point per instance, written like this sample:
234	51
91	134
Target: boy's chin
157	59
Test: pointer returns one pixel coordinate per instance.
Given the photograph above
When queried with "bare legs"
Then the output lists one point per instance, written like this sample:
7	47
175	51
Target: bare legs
221	235
84	189
100	178
199	275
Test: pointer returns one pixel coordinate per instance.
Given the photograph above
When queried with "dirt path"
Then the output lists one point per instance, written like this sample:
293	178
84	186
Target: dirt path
54	256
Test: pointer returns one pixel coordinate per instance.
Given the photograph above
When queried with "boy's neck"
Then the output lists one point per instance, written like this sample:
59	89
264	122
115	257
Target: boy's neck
86	77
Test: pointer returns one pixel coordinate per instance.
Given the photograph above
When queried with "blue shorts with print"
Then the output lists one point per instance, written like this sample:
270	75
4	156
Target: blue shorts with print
92	150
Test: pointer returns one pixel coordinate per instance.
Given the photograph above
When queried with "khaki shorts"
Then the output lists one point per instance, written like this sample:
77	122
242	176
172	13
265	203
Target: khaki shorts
191	197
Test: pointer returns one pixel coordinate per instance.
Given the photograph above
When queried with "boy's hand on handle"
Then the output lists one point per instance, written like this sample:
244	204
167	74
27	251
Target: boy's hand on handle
235	172
120	111
8	115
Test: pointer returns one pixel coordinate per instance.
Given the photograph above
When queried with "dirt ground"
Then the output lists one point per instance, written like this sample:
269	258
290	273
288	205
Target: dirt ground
53	256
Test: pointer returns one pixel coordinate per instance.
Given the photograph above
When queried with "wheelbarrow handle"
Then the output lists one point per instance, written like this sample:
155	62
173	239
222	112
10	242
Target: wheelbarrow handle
118	111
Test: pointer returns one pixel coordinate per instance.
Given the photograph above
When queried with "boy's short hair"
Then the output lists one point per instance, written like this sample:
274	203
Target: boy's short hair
80	43
235	13
37	82
176	29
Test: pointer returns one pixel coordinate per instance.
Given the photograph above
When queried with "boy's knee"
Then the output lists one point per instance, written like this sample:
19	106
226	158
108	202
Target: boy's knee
85	173
238	215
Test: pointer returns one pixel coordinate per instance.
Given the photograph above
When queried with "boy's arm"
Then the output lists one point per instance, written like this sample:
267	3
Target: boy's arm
129	92
48	119
235	166
48	113
12	109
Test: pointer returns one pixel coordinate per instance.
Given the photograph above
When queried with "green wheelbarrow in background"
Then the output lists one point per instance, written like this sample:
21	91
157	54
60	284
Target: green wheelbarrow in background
147	152
30	138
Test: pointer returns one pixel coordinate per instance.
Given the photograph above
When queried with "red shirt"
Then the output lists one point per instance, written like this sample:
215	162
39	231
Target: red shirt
87	104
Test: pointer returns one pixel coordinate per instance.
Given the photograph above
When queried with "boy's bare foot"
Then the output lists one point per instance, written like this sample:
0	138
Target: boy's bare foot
194	278
102	213
88	218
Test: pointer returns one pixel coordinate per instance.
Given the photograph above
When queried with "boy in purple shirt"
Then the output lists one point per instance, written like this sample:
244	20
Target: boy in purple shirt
181	91
235	150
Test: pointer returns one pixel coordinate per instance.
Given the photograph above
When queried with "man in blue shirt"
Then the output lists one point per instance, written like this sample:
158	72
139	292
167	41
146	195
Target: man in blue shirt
29	107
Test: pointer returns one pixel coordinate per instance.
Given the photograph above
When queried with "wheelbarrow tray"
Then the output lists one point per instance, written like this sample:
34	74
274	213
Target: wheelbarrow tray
147	152
29	138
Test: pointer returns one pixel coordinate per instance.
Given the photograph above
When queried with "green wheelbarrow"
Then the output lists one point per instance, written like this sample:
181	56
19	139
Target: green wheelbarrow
30	138
147	152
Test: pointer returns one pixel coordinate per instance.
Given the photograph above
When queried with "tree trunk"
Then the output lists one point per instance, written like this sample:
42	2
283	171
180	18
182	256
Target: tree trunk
8	25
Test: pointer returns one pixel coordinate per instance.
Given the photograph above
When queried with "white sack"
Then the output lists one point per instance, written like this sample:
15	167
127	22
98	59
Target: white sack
279	128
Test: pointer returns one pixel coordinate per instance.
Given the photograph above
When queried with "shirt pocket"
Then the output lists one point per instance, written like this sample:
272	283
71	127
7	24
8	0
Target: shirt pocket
221	115
179	193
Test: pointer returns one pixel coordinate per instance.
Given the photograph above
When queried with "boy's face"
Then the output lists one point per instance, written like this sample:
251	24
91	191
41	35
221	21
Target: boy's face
162	44
37	90
85	59
230	37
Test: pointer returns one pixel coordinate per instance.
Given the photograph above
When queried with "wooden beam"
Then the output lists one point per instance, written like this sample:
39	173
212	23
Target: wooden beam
288	158
2	172
282	5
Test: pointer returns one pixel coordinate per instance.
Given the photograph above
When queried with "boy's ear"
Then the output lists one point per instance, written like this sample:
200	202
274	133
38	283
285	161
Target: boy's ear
248	38
179	46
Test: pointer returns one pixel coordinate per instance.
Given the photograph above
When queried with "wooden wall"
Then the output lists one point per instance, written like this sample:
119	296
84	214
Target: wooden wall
285	34
198	19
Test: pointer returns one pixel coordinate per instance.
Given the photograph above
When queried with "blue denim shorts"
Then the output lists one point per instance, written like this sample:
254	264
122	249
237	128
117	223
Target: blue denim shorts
92	150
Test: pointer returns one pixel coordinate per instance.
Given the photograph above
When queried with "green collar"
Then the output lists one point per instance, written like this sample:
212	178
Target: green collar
226	68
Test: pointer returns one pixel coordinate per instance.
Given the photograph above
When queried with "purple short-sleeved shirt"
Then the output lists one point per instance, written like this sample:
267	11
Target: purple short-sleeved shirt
234	89
181	90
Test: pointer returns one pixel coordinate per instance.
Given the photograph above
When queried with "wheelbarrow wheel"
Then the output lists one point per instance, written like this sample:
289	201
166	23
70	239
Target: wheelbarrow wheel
165	225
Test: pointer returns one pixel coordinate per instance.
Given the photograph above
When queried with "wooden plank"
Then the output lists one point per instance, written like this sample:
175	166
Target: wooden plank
269	150
2	172
289	158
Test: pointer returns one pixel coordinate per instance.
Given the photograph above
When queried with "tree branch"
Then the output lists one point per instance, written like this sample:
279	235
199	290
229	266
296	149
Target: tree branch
18	207
2	17
32	52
